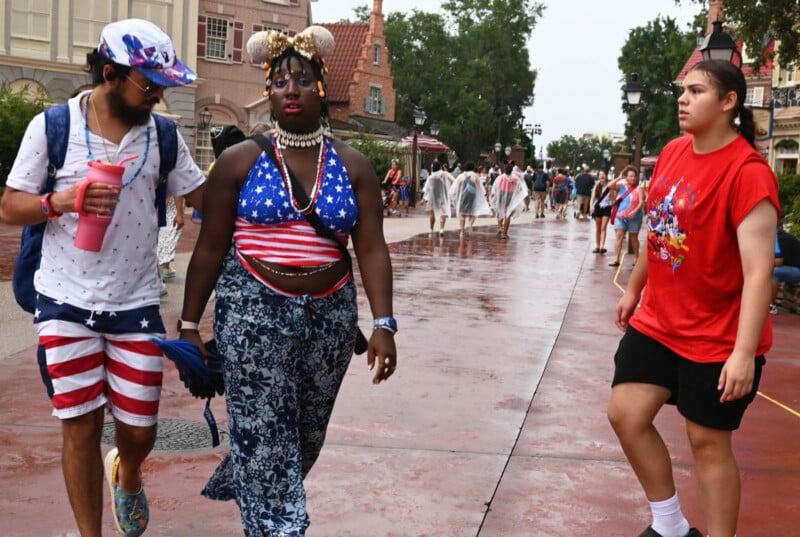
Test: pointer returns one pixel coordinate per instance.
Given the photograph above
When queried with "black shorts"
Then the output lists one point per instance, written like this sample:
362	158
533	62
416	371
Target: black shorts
640	358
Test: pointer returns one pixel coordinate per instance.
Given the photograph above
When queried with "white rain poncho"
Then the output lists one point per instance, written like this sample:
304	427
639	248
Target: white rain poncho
469	196
436	193
508	195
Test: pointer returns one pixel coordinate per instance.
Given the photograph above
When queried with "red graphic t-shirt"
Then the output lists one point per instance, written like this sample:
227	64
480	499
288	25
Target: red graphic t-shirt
695	202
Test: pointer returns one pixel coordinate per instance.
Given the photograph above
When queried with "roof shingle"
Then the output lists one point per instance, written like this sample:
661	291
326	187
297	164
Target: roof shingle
349	39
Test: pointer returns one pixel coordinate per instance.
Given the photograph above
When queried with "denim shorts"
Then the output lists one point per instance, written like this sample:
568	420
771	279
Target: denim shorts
631	225
786	274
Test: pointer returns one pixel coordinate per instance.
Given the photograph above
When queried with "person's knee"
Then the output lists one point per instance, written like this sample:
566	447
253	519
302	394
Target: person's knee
133	435
85	429
708	444
622	420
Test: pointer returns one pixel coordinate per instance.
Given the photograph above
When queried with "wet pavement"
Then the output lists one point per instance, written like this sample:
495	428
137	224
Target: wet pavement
493	426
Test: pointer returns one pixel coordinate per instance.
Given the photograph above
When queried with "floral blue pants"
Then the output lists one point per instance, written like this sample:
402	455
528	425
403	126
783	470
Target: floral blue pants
284	359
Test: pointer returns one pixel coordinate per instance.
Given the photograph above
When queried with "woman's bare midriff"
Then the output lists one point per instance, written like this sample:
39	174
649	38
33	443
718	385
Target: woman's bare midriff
301	283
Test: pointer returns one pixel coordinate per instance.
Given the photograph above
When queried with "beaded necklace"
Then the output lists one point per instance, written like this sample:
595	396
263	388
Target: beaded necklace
312	199
89	145
293	139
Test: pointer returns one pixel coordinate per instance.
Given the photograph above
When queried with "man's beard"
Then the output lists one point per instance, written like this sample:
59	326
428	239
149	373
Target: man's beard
131	116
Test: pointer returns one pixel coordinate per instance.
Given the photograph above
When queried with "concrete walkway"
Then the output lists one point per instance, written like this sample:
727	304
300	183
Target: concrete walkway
493	426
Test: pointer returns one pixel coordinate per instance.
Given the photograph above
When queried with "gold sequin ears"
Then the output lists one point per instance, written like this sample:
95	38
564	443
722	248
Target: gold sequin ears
315	43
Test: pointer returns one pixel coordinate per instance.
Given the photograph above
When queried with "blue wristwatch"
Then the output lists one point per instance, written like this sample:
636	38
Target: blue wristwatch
387	323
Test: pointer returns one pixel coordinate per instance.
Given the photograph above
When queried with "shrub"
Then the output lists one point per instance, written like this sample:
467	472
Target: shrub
379	153
17	108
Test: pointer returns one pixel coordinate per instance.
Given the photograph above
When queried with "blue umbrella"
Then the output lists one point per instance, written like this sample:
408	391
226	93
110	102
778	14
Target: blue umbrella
203	379
186	356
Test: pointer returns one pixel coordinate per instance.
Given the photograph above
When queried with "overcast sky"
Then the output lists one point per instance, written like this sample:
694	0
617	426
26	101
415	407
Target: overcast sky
574	46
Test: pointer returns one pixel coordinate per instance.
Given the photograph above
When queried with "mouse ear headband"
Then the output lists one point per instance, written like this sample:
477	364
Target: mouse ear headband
315	43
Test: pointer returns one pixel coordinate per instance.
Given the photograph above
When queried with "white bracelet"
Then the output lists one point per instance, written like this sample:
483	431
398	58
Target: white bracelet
187	325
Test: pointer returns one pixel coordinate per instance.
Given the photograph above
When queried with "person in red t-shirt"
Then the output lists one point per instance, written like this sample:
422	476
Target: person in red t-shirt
701	330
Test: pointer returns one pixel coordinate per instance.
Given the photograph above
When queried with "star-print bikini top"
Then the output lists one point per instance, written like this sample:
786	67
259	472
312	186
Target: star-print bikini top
269	227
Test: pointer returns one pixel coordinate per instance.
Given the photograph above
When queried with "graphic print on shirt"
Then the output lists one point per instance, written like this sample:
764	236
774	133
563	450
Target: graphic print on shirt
667	242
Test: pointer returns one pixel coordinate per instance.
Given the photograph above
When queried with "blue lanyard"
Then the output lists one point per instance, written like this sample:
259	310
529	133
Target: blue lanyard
91	156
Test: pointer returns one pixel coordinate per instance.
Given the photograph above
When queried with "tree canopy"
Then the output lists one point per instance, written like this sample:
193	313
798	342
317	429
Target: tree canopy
468	68
755	22
572	152
656	52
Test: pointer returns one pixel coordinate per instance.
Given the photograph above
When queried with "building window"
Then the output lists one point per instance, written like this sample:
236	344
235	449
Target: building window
376	55
204	152
155	11
755	96
30	19
89	21
374	103
217	39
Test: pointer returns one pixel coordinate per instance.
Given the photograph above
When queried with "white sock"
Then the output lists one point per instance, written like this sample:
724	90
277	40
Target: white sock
668	519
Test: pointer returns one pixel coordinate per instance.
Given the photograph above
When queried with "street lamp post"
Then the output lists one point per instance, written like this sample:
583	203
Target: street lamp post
419	121
497	148
607	159
633	94
508	153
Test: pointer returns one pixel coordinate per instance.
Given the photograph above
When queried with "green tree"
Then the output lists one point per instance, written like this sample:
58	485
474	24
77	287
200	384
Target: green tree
756	21
467	68
17	108
573	152
656	52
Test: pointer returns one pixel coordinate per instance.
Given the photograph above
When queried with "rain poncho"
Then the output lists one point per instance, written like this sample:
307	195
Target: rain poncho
508	195
437	193
469	196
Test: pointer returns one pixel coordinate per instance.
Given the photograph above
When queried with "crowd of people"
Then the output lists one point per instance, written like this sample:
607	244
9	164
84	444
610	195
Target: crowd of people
278	211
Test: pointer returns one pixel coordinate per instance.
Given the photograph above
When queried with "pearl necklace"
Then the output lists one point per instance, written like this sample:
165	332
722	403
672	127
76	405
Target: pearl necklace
288	182
293	139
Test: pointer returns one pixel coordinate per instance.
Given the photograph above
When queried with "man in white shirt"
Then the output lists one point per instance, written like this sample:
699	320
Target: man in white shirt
97	310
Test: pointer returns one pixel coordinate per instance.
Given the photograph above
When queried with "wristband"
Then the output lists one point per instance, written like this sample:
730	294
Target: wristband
387	323
47	207
187	325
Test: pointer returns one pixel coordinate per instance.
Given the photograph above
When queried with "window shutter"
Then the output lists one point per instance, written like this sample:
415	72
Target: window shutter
238	41
383	107
201	36
367	103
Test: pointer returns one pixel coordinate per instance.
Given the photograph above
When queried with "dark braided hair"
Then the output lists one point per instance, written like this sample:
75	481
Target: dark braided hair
727	77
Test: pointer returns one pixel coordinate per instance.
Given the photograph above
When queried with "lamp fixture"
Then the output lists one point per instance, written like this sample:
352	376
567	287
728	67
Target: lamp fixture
718	45
205	118
634	90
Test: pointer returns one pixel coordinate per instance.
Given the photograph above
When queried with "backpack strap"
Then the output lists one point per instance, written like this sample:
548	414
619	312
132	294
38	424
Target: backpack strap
56	128
167	136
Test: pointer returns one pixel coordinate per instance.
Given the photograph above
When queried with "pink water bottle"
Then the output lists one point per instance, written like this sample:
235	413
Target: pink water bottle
91	226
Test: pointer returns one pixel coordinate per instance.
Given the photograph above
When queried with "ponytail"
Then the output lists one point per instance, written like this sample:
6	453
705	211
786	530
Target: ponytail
747	124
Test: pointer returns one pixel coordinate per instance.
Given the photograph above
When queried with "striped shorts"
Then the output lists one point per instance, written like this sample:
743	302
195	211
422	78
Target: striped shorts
91	358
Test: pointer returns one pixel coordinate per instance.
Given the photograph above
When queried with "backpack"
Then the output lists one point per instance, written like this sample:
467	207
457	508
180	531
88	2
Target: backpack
540	181
57	133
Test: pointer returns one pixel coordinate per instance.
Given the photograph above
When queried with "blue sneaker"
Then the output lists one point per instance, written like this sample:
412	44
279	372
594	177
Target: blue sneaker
131	512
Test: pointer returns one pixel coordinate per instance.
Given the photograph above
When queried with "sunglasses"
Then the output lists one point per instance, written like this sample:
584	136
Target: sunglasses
150	89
